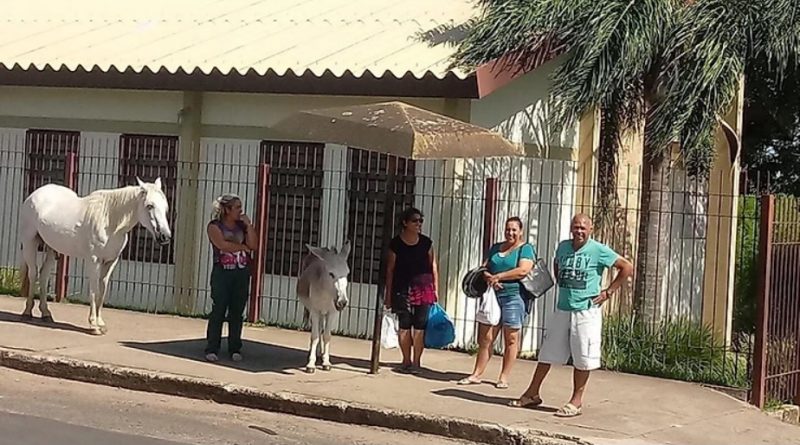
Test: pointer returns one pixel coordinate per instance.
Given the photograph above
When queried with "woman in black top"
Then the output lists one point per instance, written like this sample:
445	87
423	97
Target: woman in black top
411	286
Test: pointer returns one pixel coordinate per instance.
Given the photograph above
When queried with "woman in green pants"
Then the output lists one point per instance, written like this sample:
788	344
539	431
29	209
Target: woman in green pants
232	239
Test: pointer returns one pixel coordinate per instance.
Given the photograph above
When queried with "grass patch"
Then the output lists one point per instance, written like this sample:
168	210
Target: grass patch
680	349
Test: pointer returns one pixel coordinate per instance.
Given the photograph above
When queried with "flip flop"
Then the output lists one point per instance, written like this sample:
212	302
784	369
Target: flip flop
526	402
468	381
501	385
568	410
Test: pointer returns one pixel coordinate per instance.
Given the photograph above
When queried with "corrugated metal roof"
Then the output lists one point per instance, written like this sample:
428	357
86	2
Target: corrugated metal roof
344	37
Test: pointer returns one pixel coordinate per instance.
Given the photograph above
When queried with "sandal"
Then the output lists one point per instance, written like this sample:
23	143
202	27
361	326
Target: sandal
501	385
526	402
468	381
568	410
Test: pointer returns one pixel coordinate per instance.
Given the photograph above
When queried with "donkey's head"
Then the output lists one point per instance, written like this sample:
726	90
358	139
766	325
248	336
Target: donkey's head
336	270
152	210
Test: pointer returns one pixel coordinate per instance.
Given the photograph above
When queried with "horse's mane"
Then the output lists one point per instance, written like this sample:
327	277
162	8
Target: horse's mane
112	207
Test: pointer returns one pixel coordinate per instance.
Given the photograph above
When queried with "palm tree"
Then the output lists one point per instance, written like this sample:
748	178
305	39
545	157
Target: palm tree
671	67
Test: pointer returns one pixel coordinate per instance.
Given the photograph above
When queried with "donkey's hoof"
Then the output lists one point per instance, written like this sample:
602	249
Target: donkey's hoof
47	318
326	367
310	370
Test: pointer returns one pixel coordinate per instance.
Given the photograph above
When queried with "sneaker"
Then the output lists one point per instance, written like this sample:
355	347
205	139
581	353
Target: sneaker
211	357
237	357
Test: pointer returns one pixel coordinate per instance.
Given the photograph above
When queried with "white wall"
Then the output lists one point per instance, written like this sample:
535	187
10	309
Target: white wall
520	112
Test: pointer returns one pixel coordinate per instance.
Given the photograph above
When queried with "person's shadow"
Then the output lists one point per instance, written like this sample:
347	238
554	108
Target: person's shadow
483	398
258	357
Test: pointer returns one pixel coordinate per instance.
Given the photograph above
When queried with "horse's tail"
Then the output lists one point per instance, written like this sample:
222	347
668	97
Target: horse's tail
25	285
306	319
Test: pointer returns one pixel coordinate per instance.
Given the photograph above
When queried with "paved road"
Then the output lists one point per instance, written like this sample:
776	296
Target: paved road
38	410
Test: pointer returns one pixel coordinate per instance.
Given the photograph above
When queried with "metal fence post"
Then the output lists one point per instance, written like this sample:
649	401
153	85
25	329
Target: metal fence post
492	191
758	396
261	223
62	269
388	214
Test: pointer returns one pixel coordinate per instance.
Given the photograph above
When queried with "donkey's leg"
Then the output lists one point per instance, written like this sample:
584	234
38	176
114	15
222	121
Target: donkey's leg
315	330
44	282
105	276
29	258
94	288
330	320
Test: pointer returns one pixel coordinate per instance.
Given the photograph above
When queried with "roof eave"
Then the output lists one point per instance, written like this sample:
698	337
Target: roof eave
346	84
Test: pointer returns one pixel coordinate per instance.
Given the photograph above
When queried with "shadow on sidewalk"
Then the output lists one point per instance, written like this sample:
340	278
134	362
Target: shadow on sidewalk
258	357
483	398
11	317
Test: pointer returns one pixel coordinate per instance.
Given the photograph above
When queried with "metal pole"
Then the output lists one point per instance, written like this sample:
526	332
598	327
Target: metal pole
62	269
261	223
386	237
758	396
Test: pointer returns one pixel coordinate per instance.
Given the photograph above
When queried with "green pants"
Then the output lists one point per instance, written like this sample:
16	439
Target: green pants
229	292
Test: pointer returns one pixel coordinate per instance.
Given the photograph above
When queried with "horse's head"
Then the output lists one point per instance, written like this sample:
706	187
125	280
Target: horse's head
152	211
335	264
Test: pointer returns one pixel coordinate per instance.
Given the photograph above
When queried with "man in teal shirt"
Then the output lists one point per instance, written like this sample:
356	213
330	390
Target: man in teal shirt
575	328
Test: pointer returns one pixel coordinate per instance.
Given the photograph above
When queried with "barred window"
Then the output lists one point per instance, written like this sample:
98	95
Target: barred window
149	157
295	203
46	153
367	187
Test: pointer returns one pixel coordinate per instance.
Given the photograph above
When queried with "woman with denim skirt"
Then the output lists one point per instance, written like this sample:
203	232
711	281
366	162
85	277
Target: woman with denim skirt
232	238
507	263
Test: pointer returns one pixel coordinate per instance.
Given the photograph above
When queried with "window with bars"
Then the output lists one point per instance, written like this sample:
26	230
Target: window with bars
295	203
46	153
368	184
149	157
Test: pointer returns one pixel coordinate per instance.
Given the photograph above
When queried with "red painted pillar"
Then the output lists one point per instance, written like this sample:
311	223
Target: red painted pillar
261	223
62	269
490	212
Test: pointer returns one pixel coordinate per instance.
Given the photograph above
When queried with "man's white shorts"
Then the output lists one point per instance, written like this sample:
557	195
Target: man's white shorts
573	334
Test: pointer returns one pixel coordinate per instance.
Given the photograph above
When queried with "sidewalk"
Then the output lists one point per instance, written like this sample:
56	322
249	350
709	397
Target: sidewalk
619	408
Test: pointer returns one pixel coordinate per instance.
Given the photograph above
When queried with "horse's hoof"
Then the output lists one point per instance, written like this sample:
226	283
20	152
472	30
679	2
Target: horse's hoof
103	329
96	331
310	370
326	367
47	319
26	317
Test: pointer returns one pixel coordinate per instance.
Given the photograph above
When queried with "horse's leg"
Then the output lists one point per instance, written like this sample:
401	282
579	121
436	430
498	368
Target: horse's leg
44	282
29	257
312	353
105	275
94	289
330	320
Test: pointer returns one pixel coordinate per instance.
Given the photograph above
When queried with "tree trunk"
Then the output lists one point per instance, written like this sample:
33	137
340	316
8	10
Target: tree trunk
652	259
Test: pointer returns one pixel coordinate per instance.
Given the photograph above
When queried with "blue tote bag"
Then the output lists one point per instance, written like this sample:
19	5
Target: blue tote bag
440	331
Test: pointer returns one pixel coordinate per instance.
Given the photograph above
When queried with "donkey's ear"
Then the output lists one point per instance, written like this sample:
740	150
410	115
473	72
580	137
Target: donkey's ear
316	251
345	250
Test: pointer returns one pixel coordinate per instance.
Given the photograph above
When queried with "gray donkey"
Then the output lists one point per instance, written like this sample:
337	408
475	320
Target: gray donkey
322	288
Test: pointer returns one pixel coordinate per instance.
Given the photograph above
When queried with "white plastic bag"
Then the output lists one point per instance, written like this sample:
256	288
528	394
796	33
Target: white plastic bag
389	338
488	309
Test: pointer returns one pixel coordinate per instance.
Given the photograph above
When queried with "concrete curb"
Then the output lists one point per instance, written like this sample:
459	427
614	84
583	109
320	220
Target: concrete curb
280	402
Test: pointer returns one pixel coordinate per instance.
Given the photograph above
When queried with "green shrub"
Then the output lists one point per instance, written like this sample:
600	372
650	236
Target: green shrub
10	283
679	349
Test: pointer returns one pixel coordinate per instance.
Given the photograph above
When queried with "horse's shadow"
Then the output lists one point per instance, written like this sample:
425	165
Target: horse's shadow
483	398
11	317
258	357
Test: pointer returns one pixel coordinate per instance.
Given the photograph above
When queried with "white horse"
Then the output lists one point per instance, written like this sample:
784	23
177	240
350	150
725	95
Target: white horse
94	227
322	288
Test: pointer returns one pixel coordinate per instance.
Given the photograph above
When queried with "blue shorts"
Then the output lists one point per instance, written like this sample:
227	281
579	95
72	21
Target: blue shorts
512	311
